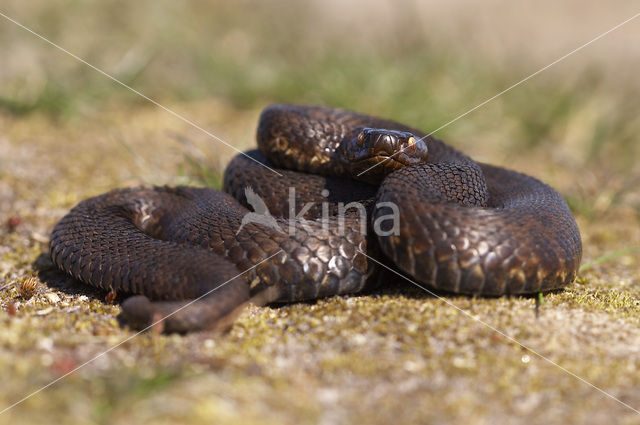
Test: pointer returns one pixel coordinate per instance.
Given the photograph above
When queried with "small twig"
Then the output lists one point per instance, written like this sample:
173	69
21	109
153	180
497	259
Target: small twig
539	302
3	287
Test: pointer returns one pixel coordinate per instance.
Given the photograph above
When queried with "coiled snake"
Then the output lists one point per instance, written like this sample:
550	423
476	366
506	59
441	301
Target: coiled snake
439	217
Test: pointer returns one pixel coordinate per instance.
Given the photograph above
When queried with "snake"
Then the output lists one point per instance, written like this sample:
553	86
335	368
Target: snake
328	199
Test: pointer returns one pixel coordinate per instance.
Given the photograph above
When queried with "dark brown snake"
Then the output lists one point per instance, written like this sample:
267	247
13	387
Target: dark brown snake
461	227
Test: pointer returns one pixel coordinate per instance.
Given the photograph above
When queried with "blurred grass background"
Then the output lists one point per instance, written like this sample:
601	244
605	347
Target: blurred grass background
67	132
423	63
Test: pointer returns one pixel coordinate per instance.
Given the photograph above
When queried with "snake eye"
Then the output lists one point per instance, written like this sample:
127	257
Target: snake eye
360	139
411	142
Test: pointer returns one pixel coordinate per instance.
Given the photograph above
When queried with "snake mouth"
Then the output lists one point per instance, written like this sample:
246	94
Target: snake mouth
392	162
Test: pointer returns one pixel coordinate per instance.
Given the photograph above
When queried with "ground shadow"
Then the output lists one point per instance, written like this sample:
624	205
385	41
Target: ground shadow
54	278
383	282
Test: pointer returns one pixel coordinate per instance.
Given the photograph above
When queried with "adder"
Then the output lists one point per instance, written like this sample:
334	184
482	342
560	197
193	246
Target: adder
415	203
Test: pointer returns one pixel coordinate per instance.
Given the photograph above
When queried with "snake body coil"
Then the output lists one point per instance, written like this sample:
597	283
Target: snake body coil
446	221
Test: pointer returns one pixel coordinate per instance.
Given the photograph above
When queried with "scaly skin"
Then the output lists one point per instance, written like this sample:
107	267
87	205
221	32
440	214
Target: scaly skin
464	227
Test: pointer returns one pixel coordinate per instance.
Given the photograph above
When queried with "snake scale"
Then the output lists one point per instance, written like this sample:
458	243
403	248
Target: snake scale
344	191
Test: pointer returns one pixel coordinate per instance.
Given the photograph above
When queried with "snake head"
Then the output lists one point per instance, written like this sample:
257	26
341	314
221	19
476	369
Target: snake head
373	153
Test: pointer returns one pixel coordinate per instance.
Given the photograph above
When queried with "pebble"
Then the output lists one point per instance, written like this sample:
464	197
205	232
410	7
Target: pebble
52	298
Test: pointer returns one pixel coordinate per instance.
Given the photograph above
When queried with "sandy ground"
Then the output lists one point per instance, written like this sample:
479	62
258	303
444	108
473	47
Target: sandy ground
404	355
401	356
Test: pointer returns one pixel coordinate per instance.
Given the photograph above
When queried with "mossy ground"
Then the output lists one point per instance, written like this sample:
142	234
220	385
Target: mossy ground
400	356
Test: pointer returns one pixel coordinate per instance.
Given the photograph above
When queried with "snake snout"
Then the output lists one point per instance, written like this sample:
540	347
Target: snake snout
399	147
385	144
375	144
373	153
